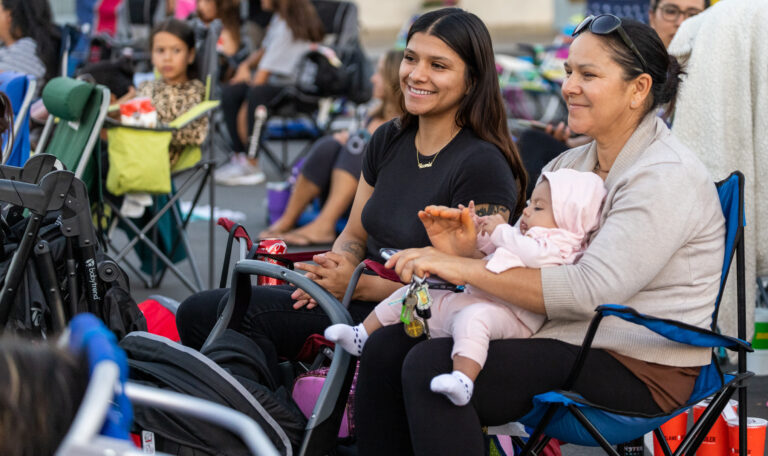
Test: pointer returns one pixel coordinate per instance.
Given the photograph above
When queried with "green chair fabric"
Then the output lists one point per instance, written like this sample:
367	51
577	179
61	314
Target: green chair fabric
70	137
66	98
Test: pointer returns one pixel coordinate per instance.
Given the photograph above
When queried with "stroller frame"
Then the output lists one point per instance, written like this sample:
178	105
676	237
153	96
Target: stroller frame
39	188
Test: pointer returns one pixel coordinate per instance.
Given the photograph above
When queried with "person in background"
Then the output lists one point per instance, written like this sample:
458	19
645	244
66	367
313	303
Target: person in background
261	78
332	167
31	40
230	42
665	16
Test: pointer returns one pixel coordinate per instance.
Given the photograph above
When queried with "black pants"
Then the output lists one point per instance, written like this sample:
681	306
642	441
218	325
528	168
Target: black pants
326	155
232	99
271	321
396	413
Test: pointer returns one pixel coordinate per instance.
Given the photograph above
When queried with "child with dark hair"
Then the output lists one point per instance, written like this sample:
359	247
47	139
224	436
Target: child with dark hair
42	389
176	91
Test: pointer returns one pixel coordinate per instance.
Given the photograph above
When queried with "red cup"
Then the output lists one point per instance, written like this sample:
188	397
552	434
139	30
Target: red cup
755	436
674	432
716	441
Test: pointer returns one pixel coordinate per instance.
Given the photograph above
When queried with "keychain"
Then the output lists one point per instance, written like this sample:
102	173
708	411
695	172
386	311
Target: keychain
417	299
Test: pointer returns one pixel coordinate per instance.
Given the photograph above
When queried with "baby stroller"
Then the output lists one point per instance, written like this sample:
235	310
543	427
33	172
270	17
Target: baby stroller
51	263
229	371
101	425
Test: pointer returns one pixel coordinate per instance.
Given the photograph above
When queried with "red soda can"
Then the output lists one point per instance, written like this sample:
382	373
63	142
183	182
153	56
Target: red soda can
272	246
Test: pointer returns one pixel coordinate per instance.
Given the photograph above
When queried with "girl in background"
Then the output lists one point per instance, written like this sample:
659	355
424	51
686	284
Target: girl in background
31	39
172	45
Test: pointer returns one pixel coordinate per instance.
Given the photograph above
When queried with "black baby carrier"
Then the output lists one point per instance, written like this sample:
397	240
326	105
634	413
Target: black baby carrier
232	371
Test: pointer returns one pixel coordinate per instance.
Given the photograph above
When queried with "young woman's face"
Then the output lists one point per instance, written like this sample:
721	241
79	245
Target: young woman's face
539	210
594	89
377	80
171	57
669	14
432	76
206	10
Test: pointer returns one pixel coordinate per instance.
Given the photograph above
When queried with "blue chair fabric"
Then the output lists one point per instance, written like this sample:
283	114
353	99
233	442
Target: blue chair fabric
569	417
15	86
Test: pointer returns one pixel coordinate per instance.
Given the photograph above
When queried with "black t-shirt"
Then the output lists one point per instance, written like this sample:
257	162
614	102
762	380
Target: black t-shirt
468	168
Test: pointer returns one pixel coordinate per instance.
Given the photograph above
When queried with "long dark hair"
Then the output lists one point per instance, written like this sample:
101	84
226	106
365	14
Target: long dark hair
481	109
6	121
301	17
390	76
33	19
180	30
664	69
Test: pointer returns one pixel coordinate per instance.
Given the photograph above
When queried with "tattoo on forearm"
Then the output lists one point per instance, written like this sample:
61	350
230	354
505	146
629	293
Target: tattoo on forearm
355	248
490	209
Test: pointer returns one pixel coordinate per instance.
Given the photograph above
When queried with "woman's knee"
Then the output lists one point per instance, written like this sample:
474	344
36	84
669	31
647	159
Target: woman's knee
197	315
426	360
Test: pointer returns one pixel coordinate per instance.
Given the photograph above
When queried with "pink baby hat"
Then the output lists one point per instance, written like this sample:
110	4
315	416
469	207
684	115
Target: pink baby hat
576	200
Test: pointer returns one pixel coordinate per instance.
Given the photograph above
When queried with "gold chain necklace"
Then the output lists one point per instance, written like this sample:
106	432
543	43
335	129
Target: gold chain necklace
434	157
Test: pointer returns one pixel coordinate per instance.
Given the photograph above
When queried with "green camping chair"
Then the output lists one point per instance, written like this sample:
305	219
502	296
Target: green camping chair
77	111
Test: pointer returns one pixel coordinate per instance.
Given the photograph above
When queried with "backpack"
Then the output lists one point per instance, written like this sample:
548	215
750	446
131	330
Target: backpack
232	372
325	72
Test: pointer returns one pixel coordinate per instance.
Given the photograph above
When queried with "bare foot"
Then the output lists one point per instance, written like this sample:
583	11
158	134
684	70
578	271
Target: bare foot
309	235
276	229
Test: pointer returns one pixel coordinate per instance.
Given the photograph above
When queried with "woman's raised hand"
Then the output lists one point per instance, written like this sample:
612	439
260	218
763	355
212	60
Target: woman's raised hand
451	230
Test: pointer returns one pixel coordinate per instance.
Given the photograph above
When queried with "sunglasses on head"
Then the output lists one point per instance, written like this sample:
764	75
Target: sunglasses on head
605	24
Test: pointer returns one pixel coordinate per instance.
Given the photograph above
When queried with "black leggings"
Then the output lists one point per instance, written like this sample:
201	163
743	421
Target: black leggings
326	155
393	402
271	321
232	98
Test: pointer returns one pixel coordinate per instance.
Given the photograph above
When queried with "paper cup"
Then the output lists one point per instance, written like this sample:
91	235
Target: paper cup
674	432
755	436
716	442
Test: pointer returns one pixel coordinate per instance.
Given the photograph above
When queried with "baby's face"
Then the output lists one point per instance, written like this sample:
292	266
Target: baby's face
539	210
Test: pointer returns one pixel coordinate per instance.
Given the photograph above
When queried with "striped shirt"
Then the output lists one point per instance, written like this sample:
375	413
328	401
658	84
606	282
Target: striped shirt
21	57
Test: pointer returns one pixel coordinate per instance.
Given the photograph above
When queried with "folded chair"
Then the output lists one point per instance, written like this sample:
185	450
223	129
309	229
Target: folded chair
161	240
20	89
567	416
104	417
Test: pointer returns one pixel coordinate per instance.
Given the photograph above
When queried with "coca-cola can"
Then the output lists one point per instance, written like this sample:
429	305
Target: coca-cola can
272	246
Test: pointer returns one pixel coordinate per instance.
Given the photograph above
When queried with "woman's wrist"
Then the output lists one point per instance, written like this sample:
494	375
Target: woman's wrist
374	288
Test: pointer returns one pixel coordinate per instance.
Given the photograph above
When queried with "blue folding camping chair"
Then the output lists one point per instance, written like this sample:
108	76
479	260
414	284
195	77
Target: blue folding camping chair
20	89
567	416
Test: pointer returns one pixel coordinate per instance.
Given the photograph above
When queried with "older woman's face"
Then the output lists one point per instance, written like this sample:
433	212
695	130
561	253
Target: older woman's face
595	90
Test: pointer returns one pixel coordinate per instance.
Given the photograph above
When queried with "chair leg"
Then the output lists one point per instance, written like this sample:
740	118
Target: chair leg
538	433
662	441
705	422
593	431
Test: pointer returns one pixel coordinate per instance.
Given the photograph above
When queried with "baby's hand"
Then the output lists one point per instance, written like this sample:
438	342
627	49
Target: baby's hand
490	222
477	220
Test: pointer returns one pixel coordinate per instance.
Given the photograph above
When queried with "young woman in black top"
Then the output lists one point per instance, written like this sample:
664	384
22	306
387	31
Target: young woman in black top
450	147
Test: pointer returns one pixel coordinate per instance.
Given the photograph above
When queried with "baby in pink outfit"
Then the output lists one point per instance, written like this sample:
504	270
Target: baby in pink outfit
553	230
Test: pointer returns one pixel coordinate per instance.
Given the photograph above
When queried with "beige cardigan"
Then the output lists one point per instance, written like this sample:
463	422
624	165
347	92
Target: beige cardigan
659	249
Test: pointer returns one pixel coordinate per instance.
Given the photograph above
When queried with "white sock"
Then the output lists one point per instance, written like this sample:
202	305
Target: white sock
351	338
455	386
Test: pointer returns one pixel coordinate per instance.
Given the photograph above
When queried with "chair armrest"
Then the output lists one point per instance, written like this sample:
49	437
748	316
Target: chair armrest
194	113
674	330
